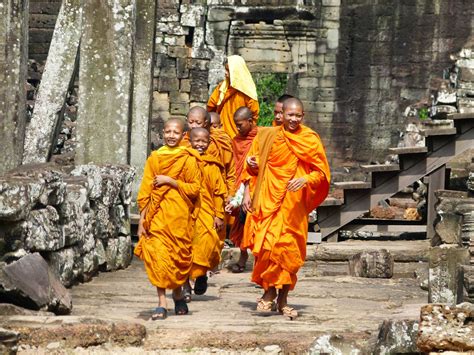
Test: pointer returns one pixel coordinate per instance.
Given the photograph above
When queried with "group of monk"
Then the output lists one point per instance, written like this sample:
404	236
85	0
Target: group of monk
219	172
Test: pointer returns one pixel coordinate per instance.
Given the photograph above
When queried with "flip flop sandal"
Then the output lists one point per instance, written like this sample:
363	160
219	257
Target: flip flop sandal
159	313
289	312
237	269
180	307
200	285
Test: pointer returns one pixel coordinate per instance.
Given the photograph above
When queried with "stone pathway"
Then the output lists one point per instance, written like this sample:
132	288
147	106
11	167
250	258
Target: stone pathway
224	319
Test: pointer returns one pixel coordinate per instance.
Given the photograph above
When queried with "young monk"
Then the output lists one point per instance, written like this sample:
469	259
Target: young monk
207	240
278	110
166	199
220	145
241	145
292	180
215	120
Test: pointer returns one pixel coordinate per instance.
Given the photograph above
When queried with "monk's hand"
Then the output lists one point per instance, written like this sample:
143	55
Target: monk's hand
296	184
141	231
218	223
229	208
247	203
160	180
253	164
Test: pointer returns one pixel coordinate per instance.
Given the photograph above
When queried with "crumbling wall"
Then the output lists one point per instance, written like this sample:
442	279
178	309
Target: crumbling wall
77	218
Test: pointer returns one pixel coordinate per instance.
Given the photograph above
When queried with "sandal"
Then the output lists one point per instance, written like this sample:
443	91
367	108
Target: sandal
288	312
237	269
187	293
180	307
200	285
159	313
265	306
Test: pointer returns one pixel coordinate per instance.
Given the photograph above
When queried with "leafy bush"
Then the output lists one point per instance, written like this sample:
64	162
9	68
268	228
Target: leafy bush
270	86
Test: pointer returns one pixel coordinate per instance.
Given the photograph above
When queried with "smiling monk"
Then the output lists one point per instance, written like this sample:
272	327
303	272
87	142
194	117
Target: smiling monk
293	177
166	199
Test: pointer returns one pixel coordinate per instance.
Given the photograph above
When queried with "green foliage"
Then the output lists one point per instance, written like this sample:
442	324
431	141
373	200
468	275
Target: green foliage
270	86
423	113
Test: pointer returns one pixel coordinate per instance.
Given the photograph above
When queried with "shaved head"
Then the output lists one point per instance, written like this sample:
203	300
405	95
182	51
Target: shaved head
292	102
177	121
243	113
199	131
215	120
198	117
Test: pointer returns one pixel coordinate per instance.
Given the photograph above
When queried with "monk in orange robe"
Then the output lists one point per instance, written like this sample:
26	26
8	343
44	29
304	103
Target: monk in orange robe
220	146
292	180
166	199
241	145
215	120
238	89
207	241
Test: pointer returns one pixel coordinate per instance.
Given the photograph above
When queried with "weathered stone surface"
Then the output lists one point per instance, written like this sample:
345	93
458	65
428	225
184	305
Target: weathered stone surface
13	64
337	345
468	282
87	334
76	222
446	328
18	195
8	341
55	82
29	282
105	75
445	276
372	264
42	231
118	253
397	337
62	264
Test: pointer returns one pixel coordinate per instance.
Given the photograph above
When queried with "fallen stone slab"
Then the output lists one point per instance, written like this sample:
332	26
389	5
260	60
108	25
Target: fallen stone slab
446	328
372	264
30	283
397	337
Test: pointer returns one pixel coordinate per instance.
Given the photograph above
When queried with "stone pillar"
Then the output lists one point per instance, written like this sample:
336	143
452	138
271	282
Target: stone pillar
142	88
445	274
105	78
55	82
13	64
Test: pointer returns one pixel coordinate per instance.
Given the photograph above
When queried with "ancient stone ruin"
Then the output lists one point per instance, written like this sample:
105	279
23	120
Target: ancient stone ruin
388	85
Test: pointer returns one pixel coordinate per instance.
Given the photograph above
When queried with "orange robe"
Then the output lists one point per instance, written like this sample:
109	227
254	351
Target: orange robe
233	100
167	252
207	243
278	227
241	146
220	147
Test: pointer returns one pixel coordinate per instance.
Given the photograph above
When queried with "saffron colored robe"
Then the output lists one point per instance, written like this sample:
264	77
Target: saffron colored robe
233	100
241	146
220	147
278	227
167	253
207	243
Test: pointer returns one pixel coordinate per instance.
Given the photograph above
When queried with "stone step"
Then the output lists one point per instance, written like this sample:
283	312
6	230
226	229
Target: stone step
438	132
402	251
380	167
331	201
353	185
408	150
461	116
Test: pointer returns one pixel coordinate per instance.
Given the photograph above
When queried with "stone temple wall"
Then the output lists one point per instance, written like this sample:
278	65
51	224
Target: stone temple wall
42	18
77	218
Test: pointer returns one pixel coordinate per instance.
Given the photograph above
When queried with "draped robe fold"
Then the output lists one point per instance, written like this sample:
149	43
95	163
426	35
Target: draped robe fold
167	253
207	243
277	229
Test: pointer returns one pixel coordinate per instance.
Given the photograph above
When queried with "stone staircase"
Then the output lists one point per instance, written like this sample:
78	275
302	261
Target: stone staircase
441	145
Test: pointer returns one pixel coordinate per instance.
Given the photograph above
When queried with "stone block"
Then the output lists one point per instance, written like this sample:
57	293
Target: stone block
330	13
466	105
178	51
329	69
173	28
160	101
468	282
446	328
442	111
179	97
168	84
18	195
220	14
445	274
192	15
62	264
372	264
185	85
182	69
397	337
42	232
179	108
333	38
466	74
256	55
167	14
30	283
173	40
